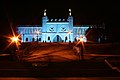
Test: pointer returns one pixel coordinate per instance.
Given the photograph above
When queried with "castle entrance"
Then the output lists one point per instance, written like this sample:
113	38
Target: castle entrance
57	39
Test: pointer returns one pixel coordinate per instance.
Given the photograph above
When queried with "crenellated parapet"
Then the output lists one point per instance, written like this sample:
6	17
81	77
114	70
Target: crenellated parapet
57	20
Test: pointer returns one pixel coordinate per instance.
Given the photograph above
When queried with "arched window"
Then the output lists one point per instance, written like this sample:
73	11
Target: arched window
66	38
48	38
39	39
75	39
33	39
26	39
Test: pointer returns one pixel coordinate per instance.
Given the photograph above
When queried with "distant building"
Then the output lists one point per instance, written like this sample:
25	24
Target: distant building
53	30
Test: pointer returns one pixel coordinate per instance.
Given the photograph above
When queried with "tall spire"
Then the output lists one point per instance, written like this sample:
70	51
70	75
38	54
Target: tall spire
45	12
69	12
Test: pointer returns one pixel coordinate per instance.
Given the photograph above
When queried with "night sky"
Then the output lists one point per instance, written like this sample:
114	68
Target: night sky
28	12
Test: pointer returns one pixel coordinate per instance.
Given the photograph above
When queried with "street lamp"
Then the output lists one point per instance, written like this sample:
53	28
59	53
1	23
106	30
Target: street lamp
81	39
15	42
14	39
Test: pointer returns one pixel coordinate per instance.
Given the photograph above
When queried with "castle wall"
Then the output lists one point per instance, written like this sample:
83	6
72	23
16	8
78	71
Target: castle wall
54	30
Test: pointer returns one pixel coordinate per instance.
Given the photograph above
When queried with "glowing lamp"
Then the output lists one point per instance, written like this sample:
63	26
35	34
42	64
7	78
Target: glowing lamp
14	39
69	32
82	39
37	32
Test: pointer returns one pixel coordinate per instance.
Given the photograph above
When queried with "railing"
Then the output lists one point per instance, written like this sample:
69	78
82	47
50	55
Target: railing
114	68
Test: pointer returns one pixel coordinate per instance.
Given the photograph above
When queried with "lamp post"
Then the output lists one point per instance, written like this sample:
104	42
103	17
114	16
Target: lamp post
82	49
15	40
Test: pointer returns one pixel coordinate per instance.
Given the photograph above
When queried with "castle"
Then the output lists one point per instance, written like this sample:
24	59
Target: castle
53	30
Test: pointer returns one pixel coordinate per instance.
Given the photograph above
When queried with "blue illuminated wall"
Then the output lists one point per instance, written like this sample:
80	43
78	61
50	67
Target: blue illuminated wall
53	30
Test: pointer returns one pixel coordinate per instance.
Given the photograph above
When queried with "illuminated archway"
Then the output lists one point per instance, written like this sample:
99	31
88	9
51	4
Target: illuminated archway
57	38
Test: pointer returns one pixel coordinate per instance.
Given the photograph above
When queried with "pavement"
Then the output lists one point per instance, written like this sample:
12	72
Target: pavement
57	60
59	52
54	52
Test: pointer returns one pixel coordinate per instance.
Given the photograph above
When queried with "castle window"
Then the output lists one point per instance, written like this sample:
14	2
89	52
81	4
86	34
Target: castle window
55	19
39	39
26	39
66	38
48	38
33	39
75	39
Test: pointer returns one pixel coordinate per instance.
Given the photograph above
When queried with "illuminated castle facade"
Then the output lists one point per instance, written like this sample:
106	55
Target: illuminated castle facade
53	30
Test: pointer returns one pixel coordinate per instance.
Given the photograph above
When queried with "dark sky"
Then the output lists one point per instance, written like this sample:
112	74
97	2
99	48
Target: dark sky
84	12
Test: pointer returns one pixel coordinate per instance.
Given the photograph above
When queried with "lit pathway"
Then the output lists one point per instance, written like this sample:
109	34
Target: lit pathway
55	52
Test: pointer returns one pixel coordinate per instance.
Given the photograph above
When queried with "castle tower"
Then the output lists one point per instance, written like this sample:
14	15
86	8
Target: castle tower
44	20
44	27
70	20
